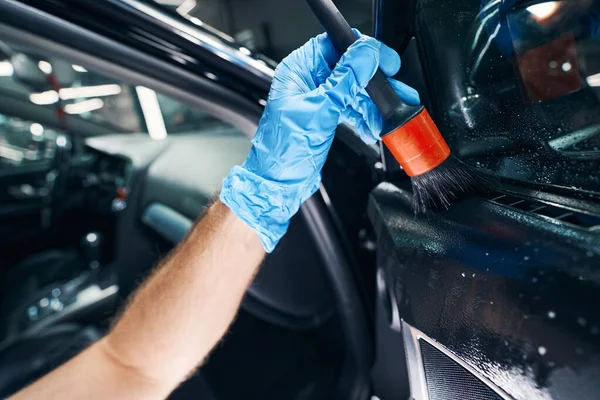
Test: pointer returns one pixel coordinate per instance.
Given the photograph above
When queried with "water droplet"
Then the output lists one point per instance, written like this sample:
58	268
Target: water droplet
551	314
581	321
590	254
463	274
525	316
487	254
491	302
551	364
473	275
542	350
536	250
526	258
534	280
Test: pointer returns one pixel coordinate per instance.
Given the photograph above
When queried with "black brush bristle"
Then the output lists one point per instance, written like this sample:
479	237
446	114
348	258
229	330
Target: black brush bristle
444	184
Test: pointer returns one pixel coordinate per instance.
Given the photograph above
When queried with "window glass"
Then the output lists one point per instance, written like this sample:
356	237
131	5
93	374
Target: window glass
42	97
70	91
181	118
518	85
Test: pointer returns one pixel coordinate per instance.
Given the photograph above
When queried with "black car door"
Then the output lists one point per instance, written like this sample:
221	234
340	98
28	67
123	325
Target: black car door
496	297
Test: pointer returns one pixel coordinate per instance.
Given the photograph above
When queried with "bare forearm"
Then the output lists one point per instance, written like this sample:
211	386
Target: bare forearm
173	321
183	310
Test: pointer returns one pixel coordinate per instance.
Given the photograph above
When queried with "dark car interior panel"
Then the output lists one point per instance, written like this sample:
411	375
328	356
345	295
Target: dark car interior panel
486	280
494	298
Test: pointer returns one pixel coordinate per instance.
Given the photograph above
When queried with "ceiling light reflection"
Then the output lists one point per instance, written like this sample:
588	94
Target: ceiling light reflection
45	67
6	68
543	11
89	91
152	113
84	106
78	68
36	129
44	98
593	80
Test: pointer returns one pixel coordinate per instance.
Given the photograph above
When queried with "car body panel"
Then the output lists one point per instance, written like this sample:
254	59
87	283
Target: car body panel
504	284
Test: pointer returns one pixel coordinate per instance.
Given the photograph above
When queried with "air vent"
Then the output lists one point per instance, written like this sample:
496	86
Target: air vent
570	217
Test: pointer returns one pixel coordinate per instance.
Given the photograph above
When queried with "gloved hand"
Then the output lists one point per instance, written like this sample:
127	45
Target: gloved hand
306	103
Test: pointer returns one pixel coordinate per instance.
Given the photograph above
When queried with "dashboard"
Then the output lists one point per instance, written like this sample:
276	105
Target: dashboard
169	183
104	181
112	170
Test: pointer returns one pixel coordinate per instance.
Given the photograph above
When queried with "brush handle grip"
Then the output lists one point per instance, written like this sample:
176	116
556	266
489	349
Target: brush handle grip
393	110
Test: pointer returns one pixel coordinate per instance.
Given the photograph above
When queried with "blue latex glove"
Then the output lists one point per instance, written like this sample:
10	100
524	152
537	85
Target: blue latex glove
306	103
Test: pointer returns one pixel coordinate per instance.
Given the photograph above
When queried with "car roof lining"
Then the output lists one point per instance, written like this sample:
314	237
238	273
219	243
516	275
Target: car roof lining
246	123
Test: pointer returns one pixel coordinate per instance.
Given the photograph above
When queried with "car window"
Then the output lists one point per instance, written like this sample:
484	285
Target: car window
518	86
70	90
44	97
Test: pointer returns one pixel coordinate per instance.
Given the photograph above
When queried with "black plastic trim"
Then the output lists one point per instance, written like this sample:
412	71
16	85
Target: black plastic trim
353	380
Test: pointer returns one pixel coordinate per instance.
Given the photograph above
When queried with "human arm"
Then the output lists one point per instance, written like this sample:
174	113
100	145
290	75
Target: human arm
173	321
180	313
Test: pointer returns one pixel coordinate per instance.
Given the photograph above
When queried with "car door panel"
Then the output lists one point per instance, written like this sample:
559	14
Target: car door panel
510	293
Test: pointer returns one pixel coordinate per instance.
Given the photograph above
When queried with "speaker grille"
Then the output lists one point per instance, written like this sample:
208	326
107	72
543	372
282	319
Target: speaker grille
447	380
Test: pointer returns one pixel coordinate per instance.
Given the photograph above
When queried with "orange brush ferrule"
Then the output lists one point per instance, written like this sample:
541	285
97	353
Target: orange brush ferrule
417	145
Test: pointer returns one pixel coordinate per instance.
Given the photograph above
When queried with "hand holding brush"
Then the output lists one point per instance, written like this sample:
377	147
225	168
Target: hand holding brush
407	130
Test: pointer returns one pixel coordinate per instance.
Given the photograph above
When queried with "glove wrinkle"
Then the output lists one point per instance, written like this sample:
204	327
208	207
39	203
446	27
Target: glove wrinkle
307	101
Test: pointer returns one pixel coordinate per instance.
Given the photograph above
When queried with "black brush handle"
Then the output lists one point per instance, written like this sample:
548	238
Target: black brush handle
394	111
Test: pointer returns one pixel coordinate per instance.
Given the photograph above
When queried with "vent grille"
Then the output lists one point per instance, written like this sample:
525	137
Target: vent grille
536	207
447	380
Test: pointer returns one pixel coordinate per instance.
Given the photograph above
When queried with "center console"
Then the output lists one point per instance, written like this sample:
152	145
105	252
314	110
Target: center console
93	290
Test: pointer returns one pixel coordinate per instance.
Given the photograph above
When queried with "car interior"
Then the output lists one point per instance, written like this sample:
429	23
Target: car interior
100	179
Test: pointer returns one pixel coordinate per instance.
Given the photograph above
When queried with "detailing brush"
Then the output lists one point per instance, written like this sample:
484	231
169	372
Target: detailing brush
408	131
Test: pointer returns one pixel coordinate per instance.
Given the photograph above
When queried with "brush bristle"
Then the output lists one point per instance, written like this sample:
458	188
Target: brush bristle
444	184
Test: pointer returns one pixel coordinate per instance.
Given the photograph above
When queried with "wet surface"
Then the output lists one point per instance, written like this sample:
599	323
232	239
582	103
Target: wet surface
513	294
509	92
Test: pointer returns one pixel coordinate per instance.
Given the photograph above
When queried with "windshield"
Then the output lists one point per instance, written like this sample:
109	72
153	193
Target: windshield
517	85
